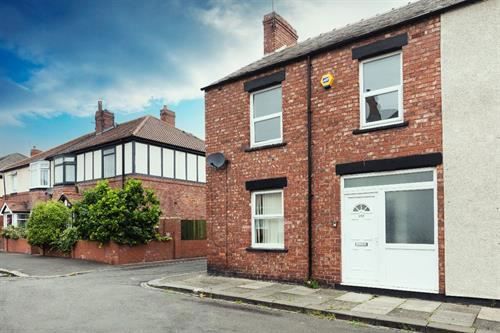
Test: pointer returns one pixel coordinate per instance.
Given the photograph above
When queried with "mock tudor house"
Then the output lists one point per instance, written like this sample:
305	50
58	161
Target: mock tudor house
6	161
166	159
365	157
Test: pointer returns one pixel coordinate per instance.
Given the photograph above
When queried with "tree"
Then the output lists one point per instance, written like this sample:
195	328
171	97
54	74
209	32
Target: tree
127	216
47	222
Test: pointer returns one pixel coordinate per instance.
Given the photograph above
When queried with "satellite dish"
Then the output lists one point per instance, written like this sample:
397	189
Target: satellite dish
217	160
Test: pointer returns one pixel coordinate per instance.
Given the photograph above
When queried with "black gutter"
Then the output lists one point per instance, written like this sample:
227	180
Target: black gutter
309	169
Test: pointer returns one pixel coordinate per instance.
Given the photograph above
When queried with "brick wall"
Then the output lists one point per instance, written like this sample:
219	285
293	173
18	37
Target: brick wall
335	116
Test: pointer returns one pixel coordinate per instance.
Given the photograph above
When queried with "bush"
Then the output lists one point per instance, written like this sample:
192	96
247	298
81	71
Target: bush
47	222
129	216
68	239
12	232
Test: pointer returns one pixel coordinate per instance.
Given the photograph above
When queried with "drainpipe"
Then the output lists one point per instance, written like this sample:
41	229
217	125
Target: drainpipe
309	170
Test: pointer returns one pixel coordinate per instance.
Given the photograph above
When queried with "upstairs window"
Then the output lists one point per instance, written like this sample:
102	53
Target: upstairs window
40	174
109	162
381	91
266	117
64	170
13	182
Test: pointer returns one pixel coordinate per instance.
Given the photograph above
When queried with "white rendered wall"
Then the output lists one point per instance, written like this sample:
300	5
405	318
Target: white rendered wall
470	56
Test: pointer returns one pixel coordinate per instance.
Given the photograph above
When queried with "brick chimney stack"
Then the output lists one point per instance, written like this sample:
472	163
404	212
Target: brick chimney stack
167	116
277	33
104	119
34	151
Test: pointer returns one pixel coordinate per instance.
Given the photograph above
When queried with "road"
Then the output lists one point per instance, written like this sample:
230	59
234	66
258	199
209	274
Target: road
112	299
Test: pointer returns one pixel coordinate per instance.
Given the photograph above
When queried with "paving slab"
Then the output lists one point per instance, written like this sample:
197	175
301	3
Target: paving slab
379	305
286	298
440	327
300	290
355	297
403	313
334	305
492	314
489	325
256	285
449	317
420	305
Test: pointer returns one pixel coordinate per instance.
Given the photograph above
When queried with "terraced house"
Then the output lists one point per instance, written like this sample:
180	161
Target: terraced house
165	158
365	157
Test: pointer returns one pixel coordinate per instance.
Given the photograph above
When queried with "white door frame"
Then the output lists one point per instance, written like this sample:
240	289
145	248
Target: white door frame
388	188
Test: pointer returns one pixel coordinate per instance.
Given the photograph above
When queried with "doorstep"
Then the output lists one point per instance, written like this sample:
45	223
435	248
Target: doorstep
396	312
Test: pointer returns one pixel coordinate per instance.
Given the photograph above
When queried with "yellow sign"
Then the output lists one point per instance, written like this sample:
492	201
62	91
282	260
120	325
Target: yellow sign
327	80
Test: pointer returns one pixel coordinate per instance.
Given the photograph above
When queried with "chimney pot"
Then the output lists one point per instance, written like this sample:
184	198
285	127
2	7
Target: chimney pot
278	33
167	116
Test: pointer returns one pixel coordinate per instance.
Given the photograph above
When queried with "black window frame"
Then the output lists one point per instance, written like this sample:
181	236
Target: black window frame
64	164
113	148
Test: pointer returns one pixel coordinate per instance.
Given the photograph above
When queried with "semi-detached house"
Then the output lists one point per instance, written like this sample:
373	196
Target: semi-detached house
367	156
166	159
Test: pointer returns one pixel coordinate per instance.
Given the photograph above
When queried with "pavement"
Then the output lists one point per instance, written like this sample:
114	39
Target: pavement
116	299
403	313
40	266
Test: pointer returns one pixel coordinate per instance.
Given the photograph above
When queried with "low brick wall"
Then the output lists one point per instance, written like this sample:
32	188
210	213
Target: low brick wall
114	254
18	246
192	249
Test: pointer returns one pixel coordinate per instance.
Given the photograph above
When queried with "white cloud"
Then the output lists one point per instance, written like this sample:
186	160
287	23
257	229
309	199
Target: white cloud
130	55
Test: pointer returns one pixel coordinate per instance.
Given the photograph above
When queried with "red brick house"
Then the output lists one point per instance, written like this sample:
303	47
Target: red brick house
343	181
166	159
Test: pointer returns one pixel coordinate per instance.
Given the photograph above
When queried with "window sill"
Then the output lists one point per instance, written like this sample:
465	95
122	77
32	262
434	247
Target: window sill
258	249
274	145
380	128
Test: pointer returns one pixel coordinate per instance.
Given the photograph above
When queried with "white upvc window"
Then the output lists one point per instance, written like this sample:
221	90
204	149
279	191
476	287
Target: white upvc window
266	123
21	219
40	174
13	182
381	90
268	219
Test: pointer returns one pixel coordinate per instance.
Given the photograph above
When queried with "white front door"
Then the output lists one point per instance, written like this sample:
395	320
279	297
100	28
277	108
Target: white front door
361	238
389	231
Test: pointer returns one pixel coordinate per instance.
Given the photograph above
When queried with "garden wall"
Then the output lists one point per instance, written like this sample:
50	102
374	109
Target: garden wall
114	254
19	246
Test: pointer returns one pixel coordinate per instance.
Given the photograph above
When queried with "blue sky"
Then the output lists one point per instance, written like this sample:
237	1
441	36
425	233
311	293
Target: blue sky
58	57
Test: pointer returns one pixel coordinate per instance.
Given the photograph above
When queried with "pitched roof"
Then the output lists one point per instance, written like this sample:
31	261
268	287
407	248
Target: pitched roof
341	36
147	127
10	159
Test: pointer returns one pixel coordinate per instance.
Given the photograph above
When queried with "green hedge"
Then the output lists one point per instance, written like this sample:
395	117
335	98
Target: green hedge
12	232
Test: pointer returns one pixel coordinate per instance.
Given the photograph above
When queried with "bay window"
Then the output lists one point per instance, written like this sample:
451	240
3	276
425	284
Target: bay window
64	170
381	91
266	117
267	219
40	174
